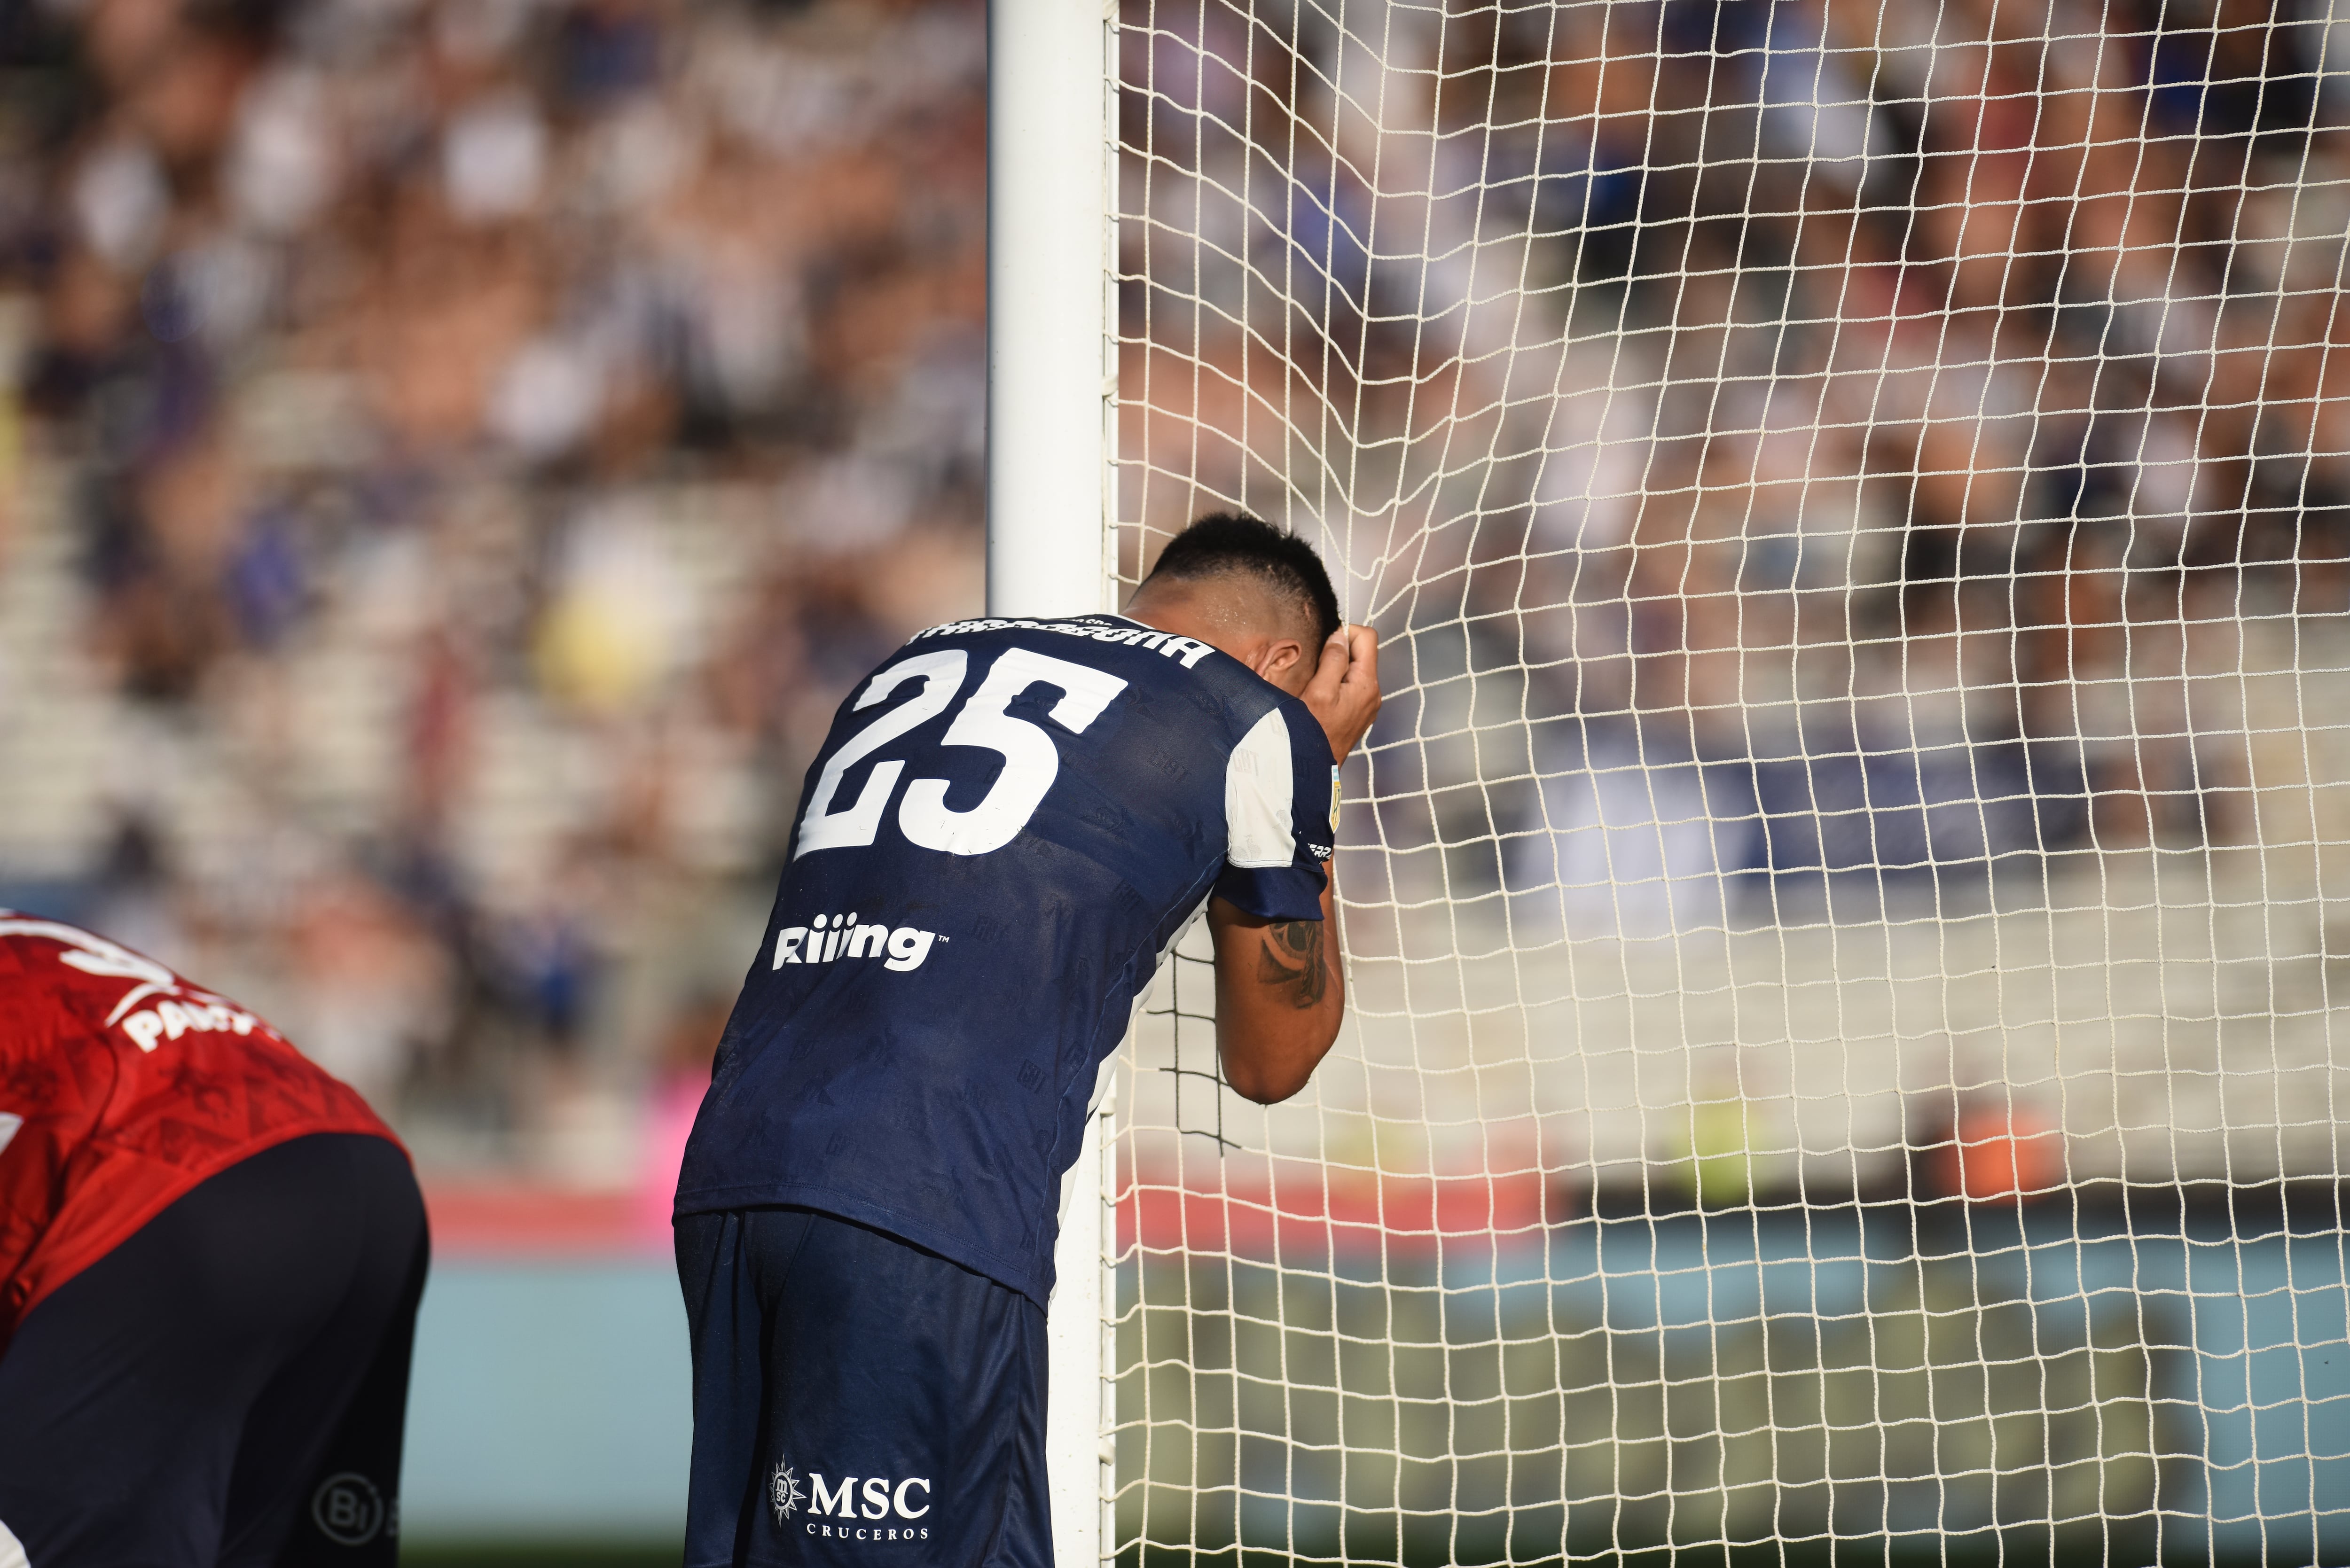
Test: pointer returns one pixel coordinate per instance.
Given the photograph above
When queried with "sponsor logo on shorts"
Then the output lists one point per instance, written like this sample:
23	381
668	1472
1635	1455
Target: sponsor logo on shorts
856	1508
784	1494
347	1509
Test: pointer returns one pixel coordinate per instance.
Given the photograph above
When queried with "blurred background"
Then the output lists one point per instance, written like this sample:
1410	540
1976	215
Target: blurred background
1847	902
1854	499
1854	494
454	454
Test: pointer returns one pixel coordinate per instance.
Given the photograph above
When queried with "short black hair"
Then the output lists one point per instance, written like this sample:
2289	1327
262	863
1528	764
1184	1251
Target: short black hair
1225	542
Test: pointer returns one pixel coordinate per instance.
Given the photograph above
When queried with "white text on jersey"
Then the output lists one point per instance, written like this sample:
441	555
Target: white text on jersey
92	954
1189	650
174	1019
830	938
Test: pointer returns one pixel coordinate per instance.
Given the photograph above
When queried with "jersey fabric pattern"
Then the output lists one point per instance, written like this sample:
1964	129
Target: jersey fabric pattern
122	1085
1008	824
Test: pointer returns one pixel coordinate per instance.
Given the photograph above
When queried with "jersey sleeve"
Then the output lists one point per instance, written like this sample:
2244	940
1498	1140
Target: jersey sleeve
1280	816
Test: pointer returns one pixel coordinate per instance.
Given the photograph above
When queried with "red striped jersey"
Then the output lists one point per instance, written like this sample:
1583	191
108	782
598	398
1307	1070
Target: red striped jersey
121	1087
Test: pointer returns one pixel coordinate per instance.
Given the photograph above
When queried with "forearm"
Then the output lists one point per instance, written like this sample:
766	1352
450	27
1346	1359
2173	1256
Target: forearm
1281	991
1281	987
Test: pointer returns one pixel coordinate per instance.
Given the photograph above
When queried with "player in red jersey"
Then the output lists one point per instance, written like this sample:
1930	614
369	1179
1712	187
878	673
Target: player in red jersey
211	1254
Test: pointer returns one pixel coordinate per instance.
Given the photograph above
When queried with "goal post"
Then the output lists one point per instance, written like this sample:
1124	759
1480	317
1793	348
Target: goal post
1049	288
1048	359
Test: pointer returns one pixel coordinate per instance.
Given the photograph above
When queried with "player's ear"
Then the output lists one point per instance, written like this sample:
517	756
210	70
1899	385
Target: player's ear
1283	662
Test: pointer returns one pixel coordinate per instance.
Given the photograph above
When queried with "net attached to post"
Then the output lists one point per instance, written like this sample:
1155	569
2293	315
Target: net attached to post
1845	904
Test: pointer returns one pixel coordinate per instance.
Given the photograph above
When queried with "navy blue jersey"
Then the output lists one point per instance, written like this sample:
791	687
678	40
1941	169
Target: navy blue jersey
1009	822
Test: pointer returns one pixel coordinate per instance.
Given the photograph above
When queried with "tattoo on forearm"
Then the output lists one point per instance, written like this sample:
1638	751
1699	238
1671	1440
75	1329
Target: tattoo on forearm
1292	958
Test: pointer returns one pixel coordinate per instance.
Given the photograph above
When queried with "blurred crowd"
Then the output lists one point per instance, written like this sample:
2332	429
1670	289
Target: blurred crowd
1846	440
454	456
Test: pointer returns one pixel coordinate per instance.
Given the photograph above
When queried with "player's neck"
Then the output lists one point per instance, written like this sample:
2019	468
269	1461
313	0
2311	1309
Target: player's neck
1206	616
1183	613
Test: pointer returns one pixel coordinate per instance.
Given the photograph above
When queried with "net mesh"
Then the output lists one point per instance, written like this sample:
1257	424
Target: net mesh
1845	902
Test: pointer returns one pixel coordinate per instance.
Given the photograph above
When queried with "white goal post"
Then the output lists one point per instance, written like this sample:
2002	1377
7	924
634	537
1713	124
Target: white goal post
1847	906
1049	360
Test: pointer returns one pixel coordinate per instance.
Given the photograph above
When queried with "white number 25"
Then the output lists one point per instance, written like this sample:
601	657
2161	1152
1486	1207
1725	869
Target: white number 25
1031	760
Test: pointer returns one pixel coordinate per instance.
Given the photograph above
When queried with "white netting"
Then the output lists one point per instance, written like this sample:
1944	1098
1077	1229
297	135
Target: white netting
1854	495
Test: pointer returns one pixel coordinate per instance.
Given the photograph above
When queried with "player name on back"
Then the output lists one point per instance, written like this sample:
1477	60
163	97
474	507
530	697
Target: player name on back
1187	650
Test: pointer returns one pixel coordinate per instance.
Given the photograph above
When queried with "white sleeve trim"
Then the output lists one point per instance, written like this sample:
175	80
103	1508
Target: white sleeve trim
1259	792
12	1550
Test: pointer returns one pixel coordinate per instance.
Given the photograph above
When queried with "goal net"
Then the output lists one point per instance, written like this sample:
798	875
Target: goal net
1846	903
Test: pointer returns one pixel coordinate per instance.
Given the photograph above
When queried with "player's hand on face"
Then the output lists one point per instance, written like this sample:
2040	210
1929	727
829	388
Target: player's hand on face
1345	691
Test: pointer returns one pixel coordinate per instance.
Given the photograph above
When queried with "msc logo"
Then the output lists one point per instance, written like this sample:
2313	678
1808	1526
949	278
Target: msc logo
783	1491
865	1505
830	938
347	1509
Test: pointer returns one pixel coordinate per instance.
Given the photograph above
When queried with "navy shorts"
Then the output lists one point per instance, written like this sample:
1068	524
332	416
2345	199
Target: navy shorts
858	1400
228	1387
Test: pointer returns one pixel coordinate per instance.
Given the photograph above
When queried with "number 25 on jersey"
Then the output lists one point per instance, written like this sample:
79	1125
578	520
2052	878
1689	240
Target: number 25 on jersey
1031	760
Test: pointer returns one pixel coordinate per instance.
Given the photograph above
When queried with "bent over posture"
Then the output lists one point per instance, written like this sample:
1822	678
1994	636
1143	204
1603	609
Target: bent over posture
211	1254
1008	825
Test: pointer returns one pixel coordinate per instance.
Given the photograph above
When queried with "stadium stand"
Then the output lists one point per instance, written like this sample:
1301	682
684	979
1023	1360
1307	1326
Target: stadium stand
444	463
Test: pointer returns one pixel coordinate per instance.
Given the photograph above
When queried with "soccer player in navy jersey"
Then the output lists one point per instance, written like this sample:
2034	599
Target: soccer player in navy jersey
1009	824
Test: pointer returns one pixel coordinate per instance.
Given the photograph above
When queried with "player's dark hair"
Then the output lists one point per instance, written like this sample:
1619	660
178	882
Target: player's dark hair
1226	541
